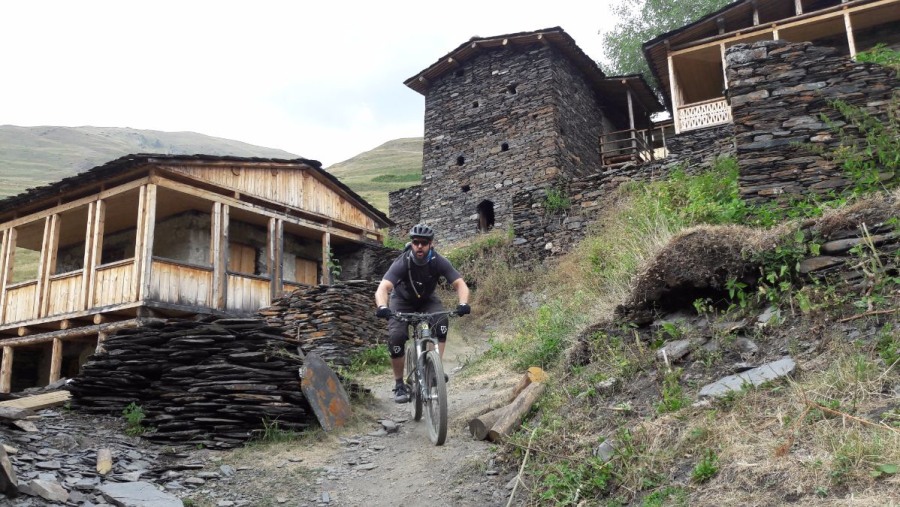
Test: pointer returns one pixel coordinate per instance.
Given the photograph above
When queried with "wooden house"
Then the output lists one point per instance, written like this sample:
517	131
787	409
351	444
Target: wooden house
150	236
688	63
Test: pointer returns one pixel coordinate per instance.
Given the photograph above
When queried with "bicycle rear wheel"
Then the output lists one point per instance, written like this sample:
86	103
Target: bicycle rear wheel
435	398
415	398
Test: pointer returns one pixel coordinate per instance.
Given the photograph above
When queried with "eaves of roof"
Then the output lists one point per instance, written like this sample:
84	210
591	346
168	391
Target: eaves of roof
124	164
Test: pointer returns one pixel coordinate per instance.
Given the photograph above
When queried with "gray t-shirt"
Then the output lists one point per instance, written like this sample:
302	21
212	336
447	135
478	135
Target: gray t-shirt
414	283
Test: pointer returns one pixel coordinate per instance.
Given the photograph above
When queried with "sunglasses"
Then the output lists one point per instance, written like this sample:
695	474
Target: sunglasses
420	242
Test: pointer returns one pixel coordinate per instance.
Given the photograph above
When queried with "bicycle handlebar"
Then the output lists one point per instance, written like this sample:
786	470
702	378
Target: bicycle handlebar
415	317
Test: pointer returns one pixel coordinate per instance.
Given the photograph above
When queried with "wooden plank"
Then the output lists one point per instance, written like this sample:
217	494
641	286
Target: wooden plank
219	252
39	401
6	365
851	41
675	96
56	360
140	237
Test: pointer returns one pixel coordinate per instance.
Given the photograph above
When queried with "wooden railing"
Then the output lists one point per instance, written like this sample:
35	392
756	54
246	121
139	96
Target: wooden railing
247	293
180	283
20	301
703	114
633	145
66	293
114	284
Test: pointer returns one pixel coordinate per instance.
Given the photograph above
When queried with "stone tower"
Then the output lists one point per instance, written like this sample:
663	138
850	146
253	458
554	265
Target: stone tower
502	115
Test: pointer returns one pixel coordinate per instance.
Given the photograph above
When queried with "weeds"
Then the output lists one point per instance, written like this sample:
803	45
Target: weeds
556	201
673	397
706	468
134	418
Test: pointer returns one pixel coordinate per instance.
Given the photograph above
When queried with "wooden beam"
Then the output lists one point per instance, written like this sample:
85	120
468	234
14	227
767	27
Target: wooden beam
258	210
48	264
755	5
56	360
96	250
78	332
9	247
39	401
105	194
86	271
275	250
798	7
851	41
808	18
139	238
6	366
65	324
673	93
147	253
101	337
219	254
326	253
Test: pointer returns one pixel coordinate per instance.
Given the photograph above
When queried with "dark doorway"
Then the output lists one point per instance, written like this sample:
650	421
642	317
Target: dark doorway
485	216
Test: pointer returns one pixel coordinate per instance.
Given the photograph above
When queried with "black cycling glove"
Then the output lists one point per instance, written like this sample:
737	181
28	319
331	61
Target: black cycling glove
383	312
463	309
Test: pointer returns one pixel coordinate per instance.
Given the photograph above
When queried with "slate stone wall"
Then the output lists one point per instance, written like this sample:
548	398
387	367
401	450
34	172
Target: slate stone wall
403	209
778	91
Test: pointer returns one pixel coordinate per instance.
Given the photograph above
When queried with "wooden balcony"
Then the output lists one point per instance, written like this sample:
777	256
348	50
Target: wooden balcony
704	114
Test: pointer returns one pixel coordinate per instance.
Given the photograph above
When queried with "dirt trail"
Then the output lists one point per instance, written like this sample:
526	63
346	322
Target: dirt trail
409	470
366	467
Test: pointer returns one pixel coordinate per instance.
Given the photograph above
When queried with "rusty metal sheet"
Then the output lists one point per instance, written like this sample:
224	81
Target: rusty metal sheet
324	391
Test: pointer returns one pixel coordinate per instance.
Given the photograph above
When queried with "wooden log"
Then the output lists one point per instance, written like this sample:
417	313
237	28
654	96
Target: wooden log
481	425
512	417
534	374
104	461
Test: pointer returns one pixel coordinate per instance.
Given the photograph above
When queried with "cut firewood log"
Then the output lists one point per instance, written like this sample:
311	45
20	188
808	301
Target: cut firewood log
515	412
534	374
481	425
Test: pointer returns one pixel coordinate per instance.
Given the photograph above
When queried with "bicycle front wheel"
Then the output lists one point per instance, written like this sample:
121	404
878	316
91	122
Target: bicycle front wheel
435	398
415	398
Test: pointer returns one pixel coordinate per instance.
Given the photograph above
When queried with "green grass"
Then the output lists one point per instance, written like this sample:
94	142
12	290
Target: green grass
393	165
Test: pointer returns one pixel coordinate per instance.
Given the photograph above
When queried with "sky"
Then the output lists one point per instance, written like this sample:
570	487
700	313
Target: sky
322	80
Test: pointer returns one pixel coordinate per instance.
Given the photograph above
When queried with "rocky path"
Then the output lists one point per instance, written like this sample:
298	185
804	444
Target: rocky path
385	459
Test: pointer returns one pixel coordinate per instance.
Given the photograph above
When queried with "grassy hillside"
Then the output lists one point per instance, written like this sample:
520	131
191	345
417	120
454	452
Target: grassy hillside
393	165
34	156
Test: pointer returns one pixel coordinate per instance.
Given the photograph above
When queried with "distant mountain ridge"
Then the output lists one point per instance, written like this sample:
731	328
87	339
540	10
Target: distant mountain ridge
35	156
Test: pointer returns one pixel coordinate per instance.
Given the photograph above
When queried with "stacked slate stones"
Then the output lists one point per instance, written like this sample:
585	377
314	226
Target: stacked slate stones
334	321
220	382
210	383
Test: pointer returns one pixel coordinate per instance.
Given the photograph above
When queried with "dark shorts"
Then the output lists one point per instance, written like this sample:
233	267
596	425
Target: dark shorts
398	332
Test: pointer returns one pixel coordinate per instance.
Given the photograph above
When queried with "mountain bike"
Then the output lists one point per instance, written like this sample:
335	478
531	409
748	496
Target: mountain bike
424	373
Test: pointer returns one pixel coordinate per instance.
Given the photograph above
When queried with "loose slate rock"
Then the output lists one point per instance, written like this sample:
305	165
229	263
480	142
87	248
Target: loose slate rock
138	494
771	371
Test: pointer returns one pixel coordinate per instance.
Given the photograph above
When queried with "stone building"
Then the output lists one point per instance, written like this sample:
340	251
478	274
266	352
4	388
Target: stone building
509	113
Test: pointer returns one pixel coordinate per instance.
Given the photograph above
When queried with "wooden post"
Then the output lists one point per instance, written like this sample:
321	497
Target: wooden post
673	91
56	360
147	253
755	12
6	370
219	253
276	257
139	238
633	134
9	249
851	41
798	7
101	337
86	271
48	264
724	72
326	252
96	250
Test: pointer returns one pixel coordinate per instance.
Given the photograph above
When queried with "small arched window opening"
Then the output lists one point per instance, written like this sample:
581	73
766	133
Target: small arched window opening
466	188
460	160
512	89
476	104
504	146
485	216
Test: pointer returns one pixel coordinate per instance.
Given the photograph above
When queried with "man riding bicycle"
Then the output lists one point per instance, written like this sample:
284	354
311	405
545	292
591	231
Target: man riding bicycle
411	281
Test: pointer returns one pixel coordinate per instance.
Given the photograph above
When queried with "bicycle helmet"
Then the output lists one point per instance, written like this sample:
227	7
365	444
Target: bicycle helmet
421	231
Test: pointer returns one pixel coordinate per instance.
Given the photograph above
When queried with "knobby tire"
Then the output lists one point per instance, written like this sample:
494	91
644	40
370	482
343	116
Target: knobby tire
415	392
435	398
